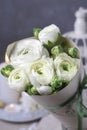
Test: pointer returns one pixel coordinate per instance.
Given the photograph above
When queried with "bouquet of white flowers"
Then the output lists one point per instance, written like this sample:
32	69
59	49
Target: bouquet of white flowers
46	66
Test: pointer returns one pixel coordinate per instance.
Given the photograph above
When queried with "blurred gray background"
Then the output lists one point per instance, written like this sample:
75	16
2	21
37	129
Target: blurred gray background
19	17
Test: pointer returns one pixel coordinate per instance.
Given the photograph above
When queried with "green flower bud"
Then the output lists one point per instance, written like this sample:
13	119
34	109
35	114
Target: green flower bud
73	52
34	91
56	50
36	32
30	89
5	71
56	84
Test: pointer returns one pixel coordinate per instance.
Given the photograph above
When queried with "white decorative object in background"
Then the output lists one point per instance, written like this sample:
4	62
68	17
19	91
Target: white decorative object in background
80	25
80	31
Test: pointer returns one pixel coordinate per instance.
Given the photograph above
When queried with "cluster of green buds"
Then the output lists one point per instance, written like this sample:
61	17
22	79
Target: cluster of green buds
56	84
5	71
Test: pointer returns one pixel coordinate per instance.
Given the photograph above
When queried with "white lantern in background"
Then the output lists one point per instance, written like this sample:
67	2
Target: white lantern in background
80	32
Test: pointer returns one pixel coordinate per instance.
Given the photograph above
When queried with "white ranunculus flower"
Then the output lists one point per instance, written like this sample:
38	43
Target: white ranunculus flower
66	66
26	51
18	80
41	72
49	33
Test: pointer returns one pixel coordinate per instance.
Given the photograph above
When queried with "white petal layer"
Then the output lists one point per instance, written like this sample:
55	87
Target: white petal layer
42	71
71	64
18	80
26	51
49	33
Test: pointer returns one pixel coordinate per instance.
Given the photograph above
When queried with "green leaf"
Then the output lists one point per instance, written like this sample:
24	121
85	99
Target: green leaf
49	46
60	39
28	88
65	48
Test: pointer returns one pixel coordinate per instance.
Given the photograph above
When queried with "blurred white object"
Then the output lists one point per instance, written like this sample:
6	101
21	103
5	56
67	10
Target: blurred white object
49	122
7	94
33	126
28	103
13	108
80	25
